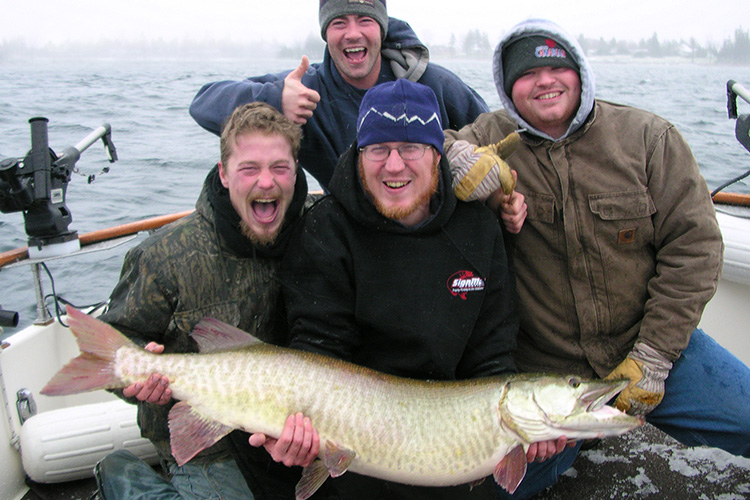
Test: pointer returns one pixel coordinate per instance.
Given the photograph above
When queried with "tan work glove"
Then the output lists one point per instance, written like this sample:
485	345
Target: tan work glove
647	371
480	171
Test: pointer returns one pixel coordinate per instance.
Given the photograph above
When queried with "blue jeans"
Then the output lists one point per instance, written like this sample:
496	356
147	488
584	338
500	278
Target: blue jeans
707	398
705	402
121	475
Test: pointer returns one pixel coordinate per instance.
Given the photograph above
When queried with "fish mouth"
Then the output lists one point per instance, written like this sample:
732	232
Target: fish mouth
265	210
600	392
595	418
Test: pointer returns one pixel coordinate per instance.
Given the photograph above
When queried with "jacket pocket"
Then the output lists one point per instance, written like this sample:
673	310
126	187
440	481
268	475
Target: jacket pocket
540	207
623	219
624	205
621	257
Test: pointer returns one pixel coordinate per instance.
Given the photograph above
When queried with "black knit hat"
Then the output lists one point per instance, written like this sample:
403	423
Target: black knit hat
331	9
533	52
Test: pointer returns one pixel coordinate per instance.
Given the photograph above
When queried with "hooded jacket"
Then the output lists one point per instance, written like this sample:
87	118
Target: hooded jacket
435	301
194	268
332	128
621	241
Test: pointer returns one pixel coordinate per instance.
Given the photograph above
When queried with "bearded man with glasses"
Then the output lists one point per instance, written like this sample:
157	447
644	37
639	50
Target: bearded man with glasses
392	272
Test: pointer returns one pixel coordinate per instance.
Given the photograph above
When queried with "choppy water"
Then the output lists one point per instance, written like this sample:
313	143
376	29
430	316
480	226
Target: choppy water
164	155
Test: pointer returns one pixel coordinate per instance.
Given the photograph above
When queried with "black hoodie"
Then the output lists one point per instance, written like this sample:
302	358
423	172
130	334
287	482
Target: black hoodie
436	301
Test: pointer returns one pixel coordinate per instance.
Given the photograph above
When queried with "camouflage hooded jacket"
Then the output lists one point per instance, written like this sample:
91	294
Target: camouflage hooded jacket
184	273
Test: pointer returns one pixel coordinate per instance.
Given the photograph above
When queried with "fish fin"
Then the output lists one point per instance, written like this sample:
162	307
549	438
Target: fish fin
476	483
213	335
94	368
512	468
337	460
313	477
190	432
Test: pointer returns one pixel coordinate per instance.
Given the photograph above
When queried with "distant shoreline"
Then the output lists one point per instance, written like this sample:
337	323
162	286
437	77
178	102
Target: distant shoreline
437	57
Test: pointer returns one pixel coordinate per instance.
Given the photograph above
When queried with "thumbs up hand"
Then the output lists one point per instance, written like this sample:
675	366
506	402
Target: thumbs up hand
297	101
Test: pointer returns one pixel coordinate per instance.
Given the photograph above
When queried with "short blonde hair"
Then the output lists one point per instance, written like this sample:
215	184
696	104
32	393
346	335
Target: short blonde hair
258	117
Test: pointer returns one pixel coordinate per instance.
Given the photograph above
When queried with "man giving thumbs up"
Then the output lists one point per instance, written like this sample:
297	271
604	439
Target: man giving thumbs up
324	97
297	101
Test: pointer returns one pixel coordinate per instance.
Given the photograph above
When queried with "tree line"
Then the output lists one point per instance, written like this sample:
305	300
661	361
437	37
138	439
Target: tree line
474	43
733	50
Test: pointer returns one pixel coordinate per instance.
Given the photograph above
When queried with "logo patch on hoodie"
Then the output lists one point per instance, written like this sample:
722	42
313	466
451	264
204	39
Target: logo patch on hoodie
463	282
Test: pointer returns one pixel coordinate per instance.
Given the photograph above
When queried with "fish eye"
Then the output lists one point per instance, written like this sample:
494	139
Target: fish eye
574	382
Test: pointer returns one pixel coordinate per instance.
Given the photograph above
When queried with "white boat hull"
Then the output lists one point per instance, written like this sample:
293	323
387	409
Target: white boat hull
89	425
727	316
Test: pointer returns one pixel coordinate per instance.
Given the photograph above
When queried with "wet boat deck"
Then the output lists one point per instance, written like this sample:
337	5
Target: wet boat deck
648	464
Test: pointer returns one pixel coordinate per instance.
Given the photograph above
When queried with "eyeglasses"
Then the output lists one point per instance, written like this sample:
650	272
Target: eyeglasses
381	152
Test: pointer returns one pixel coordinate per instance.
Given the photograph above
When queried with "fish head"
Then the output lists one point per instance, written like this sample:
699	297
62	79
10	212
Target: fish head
546	407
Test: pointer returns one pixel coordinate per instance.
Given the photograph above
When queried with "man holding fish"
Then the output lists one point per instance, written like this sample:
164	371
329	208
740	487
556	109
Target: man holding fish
220	262
390	236
620	249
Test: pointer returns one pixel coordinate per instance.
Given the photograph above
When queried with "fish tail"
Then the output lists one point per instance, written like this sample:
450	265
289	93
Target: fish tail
94	368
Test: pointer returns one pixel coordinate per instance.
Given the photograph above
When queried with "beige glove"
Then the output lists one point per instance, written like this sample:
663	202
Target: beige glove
480	171
647	371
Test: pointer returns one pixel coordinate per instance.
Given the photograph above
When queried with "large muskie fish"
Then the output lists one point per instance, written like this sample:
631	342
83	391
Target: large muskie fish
408	431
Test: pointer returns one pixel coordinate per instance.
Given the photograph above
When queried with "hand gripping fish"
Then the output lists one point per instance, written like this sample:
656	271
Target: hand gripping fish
408	431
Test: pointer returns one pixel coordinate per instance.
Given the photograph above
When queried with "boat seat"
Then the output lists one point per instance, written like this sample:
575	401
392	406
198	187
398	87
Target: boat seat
65	444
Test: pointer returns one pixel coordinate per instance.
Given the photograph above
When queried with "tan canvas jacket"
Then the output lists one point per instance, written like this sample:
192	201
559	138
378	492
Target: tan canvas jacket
621	240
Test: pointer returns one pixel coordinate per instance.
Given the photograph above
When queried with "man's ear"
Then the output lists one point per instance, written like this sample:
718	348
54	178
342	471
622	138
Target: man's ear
223	176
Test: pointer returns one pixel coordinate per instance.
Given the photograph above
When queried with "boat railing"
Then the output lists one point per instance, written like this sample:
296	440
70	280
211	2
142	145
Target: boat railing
742	125
36	185
102	239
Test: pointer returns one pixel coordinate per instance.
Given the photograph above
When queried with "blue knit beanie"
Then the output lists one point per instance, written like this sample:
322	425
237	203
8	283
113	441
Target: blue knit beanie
331	9
400	111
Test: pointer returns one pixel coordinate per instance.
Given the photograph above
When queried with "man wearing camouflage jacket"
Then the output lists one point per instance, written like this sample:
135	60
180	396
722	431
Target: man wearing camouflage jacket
220	262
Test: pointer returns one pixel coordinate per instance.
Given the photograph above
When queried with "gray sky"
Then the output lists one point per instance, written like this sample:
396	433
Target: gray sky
287	21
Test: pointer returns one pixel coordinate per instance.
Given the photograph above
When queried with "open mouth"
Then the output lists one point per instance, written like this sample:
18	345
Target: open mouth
549	95
355	55
601	393
265	209
396	184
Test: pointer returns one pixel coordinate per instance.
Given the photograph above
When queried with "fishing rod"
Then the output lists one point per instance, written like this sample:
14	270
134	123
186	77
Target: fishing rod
741	128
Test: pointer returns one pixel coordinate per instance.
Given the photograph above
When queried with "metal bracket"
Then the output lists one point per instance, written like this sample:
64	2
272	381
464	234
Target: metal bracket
25	405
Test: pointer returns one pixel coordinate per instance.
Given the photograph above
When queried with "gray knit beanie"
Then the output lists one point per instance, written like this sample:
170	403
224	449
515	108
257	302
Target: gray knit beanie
331	9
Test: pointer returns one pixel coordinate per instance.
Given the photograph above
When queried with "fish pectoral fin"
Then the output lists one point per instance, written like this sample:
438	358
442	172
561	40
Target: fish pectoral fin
512	468
476	483
336	459
313	477
335	462
190	432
